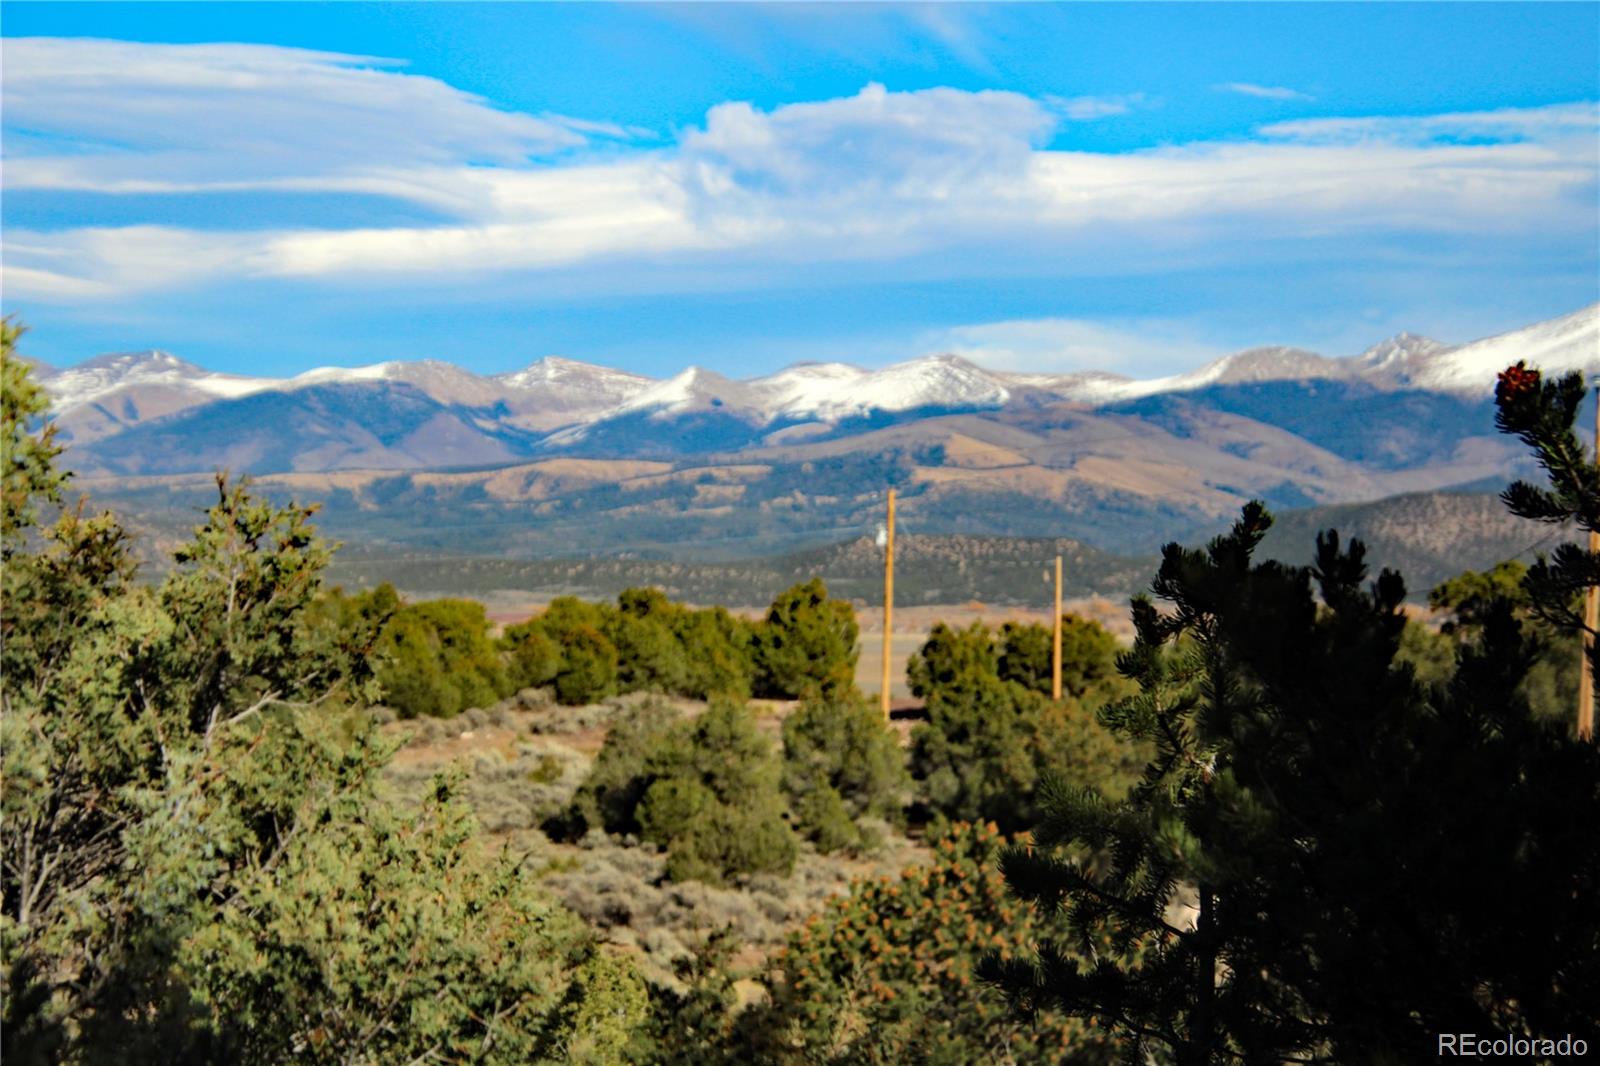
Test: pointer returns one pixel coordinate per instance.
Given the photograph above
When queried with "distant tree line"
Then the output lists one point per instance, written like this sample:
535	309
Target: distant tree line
437	658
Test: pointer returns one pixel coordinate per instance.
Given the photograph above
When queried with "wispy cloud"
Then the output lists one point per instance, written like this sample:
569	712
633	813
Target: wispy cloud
1504	125
1089	108
125	116
1262	92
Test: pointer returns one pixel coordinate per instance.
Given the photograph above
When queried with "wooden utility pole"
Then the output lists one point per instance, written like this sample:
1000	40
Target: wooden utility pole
888	606
1055	653
1591	617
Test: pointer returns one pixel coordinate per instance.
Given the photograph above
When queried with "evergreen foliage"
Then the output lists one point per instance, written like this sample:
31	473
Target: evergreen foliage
1430	654
28	450
436	659
724	814
1470	598
841	762
1088	659
1542	414
1324	859
806	645
533	658
973	756
649	655
989	736
950	654
887	973
647	644
717	652
706	791
197	864
697	1019
622	772
588	670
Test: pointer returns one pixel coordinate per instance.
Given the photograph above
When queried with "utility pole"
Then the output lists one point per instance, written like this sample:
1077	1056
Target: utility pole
1591	617
888	606
1055	653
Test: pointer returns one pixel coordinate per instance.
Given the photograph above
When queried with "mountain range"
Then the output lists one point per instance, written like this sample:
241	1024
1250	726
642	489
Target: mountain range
569	458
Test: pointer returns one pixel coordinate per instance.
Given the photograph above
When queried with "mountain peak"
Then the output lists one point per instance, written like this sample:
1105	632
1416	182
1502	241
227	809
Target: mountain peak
1275	363
692	388
1397	353
554	370
1555	346
151	360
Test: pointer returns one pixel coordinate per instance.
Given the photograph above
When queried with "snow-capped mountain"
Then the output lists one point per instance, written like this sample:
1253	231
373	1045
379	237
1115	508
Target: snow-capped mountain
828	393
553	392
1397	357
109	393
1405	360
1253	365
810	388
933	381
824	392
94	379
691	390
1557	346
557	404
444	382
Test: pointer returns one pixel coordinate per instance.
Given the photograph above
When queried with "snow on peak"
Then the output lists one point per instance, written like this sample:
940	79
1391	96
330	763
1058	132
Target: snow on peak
933	381
830	392
94	379
1557	346
1395	361
691	389
554	369
556	392
825	392
324	375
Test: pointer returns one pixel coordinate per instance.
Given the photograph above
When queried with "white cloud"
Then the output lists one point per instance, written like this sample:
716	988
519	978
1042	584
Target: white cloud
124	259
1262	92
125	116
940	175
920	145
1063	345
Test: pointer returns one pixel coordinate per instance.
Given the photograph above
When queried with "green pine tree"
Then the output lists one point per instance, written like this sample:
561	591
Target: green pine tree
198	863
806	646
1324	860
1542	414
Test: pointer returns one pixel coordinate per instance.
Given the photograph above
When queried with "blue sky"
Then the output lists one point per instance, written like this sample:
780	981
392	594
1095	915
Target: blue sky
266	188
